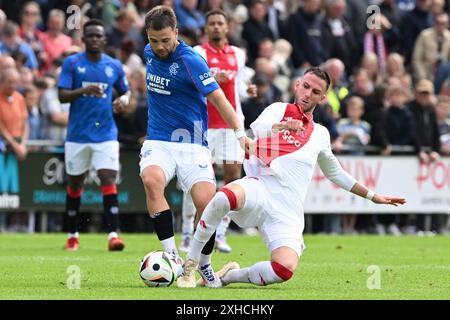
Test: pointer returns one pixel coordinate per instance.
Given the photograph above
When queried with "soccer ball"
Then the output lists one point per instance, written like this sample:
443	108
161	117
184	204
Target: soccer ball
158	269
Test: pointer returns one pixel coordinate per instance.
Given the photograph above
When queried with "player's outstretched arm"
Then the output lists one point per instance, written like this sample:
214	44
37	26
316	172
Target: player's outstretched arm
364	192
223	106
333	170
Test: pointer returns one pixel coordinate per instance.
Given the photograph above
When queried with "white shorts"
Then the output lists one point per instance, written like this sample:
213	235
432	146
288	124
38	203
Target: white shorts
190	162
80	157
224	146
268	207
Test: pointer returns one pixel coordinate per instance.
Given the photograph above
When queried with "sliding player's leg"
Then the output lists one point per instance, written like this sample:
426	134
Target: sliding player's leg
280	268
281	229
230	198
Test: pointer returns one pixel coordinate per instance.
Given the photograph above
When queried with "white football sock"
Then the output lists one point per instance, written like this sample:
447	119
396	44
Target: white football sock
209	276
169	245
204	259
188	214
214	212
261	274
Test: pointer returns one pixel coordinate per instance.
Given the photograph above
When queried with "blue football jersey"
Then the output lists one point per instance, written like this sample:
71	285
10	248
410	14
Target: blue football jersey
176	90
91	118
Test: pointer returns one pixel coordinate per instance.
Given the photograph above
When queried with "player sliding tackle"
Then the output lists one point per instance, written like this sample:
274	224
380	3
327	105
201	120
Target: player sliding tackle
271	196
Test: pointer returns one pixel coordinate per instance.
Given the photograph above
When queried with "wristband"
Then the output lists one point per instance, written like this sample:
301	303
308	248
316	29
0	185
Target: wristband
370	194
239	133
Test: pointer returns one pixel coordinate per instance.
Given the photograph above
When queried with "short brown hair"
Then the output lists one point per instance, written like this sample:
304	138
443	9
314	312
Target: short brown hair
318	72
160	17
219	12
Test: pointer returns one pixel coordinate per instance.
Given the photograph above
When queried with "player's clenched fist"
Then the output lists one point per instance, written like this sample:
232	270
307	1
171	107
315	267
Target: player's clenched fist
291	125
294	125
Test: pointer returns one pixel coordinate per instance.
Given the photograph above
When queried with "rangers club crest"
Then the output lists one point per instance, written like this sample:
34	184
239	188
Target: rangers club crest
173	69
109	72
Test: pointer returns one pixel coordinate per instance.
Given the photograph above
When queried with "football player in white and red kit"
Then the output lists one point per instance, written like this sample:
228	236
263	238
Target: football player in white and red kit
226	63
271	197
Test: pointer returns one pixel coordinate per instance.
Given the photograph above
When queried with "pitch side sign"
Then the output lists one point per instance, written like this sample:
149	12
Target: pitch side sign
39	183
426	187
9	182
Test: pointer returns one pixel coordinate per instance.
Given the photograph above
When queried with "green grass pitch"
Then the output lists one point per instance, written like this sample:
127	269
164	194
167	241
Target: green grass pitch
332	267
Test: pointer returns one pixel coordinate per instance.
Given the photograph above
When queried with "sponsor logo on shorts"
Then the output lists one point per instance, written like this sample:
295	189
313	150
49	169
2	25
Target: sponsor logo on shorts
203	224
146	153
203	166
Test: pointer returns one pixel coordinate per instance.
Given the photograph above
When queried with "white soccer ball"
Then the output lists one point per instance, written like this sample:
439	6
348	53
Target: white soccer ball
158	269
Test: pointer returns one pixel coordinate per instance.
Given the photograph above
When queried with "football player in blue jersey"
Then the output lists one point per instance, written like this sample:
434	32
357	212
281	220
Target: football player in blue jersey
178	83
86	81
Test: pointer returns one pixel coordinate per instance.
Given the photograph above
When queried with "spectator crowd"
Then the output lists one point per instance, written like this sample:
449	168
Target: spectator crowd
390	73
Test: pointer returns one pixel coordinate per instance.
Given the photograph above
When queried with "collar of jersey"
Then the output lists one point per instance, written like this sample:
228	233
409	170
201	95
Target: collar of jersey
225	49
305	117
